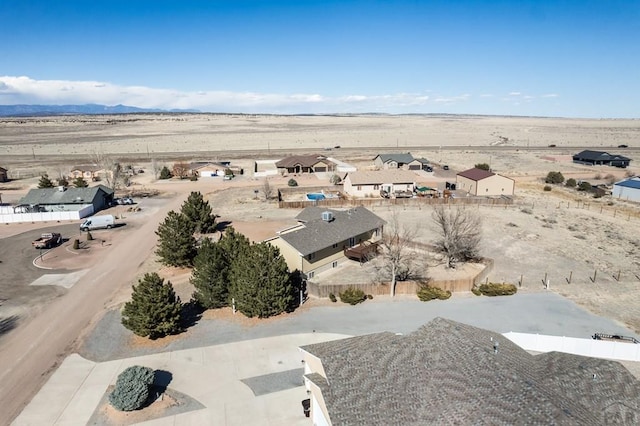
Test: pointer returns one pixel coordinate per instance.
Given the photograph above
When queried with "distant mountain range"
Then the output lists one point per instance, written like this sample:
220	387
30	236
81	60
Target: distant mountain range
47	110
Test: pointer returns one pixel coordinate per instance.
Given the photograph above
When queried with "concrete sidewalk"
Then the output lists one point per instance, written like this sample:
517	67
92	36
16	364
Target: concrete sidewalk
211	375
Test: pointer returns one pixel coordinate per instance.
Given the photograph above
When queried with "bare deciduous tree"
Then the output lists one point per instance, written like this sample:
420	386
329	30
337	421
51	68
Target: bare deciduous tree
267	191
398	259
459	233
181	169
111	168
155	168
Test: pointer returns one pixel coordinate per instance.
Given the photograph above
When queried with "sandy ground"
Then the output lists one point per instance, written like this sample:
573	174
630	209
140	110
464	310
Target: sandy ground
557	234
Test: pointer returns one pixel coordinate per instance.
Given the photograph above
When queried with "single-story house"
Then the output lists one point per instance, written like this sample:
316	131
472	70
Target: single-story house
447	372
324	238
305	164
628	189
597	158
90	172
4	177
484	183
212	168
65	199
376	183
397	161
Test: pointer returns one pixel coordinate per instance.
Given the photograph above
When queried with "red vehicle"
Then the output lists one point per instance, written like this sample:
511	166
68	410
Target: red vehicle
48	240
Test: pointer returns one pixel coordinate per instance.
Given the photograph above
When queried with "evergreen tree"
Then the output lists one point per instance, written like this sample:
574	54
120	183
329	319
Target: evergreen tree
198	211
176	245
154	309
79	182
63	182
45	182
210	276
260	282
234	244
165	173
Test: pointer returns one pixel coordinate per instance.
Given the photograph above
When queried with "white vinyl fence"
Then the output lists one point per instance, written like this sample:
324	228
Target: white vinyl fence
7	215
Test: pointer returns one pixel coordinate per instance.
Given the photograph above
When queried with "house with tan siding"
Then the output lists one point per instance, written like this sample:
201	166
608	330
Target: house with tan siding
324	238
363	184
89	172
305	164
481	182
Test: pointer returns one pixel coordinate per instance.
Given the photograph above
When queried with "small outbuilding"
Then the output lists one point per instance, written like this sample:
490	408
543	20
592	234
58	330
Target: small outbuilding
480	182
4	175
628	189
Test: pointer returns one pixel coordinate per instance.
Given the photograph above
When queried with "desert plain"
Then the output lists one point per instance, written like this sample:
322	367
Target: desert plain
587	248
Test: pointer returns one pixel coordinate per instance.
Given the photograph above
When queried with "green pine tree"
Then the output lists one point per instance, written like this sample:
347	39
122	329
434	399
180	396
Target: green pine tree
154	310
165	173
198	211
45	182
79	182
176	244
210	276
260	282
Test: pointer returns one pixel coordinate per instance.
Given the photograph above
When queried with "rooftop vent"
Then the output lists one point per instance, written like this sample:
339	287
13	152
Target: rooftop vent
61	188
327	216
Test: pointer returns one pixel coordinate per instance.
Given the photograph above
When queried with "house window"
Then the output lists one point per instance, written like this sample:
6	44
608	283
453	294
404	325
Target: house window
310	274
376	187
376	233
334	264
352	241
335	245
311	256
486	190
359	187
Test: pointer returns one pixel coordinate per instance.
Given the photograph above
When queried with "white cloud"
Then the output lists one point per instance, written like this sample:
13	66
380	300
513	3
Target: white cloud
550	95
25	90
514	93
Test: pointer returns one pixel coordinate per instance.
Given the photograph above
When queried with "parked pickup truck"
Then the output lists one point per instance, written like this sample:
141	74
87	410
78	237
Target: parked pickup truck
48	240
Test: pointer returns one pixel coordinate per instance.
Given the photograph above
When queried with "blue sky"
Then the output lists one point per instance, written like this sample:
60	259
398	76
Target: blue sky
545	58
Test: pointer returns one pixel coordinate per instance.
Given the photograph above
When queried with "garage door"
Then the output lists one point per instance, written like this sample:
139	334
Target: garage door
321	169
414	167
207	174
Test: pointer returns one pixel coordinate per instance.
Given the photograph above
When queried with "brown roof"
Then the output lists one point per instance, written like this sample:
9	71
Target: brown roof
449	373
302	160
476	174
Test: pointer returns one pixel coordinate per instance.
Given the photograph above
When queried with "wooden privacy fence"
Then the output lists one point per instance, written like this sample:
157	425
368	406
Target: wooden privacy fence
402	287
383	202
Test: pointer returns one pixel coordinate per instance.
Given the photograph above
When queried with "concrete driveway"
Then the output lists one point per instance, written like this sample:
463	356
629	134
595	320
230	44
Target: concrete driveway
249	382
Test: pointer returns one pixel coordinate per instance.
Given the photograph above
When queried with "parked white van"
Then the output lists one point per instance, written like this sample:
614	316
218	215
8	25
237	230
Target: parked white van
98	222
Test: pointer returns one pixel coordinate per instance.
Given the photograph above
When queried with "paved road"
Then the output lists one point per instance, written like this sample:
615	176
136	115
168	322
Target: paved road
31	352
543	313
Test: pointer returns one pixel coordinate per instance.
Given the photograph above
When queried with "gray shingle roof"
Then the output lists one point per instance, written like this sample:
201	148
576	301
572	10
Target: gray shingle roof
398	158
48	196
599	156
318	234
447	373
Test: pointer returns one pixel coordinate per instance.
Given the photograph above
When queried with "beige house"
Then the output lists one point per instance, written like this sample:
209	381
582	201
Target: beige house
90	172
324	238
305	164
397	161
484	183
393	183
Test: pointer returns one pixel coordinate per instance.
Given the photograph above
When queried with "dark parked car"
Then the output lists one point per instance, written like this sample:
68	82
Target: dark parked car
445	167
623	146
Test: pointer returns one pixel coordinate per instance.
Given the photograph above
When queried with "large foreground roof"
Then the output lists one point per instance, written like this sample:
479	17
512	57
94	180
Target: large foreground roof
451	373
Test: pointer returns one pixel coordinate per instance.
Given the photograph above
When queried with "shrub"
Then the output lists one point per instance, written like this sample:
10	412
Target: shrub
335	179
497	289
426	293
352	296
482	166
554	177
193	178
132	388
584	186
332	297
547	188
475	290
571	183
292	182
598	176
369	296
526	210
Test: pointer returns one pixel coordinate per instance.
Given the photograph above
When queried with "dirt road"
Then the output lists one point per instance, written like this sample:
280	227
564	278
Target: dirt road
31	353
